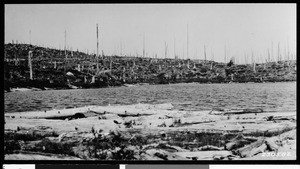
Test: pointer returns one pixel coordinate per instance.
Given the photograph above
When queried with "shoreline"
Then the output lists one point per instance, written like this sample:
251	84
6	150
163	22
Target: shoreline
25	89
158	126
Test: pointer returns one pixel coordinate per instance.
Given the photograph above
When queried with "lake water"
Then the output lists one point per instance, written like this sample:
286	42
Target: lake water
193	96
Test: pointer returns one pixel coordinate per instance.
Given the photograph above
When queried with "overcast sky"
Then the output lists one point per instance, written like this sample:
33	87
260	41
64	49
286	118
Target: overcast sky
240	28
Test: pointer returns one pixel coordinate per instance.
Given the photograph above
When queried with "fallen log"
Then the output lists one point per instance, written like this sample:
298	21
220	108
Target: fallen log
32	155
244	111
260	146
280	118
133	115
168	117
216	112
257	110
158	154
162	156
117	122
192	123
164	146
98	113
252	149
168	148
218	157
239	141
258	150
69	117
210	148
271	144
128	124
205	155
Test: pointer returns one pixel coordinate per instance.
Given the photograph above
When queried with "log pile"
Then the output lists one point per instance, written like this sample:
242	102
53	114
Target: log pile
240	145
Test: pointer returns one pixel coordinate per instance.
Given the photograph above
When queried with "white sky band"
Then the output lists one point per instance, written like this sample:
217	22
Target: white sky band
243	28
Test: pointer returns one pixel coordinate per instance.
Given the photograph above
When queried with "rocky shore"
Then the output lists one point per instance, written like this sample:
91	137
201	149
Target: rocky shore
149	132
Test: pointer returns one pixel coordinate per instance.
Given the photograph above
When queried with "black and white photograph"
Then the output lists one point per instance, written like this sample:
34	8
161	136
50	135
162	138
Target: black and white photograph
150	82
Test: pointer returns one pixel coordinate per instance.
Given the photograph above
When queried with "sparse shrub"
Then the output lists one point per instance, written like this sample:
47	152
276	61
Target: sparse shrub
269	133
123	154
203	138
21	136
140	140
30	136
10	146
56	148
112	146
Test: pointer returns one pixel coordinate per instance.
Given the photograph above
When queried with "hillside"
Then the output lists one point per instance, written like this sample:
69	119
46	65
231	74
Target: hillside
53	69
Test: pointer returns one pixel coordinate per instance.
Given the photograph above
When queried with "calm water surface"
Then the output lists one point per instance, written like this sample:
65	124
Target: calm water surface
268	96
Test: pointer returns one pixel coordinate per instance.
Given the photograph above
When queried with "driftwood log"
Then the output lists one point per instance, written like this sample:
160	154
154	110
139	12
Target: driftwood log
260	146
280	118
244	111
133	115
271	144
239	141
210	148
162	156
252	149
69	117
